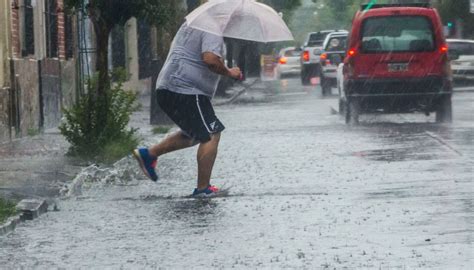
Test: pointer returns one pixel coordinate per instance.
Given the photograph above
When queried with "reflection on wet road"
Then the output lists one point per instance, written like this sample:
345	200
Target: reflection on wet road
307	192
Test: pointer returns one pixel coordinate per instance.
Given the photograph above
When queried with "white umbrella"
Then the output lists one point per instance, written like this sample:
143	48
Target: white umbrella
241	19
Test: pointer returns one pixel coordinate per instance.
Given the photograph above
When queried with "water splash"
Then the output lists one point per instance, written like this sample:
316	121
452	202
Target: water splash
123	171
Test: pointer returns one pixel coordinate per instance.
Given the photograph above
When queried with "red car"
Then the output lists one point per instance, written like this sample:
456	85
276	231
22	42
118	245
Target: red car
396	62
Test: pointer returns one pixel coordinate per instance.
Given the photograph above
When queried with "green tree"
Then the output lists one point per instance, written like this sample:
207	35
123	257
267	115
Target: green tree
95	113
285	6
105	15
97	123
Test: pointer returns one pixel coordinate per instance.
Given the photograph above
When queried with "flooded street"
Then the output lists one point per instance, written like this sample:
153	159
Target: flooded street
306	192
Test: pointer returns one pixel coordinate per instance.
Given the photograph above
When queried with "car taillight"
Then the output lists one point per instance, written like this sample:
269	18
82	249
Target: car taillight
444	48
351	52
322	58
283	60
306	56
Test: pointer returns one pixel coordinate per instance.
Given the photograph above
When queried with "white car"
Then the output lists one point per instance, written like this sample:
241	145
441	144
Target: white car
334	46
289	62
340	86
462	53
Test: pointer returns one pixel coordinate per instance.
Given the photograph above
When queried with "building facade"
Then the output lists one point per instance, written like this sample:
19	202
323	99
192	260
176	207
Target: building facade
46	55
5	55
38	65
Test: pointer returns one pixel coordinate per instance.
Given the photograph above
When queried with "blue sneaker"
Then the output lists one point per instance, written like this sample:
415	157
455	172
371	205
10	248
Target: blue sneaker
210	191
147	163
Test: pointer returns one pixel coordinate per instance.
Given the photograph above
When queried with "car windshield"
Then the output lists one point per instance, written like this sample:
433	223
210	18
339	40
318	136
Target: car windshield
397	34
461	48
336	44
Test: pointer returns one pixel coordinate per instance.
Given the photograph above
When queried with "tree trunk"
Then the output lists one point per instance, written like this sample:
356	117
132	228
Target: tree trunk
102	32
100	97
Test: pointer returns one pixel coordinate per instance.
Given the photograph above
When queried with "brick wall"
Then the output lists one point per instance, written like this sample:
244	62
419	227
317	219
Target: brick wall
61	30
15	28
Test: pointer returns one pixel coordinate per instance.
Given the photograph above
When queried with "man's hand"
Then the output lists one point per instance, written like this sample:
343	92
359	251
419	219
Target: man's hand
235	73
216	64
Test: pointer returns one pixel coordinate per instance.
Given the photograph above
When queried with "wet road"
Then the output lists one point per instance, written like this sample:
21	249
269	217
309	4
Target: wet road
307	192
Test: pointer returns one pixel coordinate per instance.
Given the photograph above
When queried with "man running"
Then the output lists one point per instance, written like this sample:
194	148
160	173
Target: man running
184	88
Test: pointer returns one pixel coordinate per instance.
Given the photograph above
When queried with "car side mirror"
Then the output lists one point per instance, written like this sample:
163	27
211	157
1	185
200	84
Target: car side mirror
453	55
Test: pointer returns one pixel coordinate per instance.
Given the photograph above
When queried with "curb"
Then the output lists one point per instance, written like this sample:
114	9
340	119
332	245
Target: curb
464	90
29	210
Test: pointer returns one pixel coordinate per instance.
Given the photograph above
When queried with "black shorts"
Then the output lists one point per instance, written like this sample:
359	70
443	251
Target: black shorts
193	114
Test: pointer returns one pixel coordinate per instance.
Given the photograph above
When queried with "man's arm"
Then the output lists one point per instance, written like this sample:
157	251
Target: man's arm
215	64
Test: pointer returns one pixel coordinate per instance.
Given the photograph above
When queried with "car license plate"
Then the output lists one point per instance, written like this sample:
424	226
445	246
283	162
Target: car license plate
397	67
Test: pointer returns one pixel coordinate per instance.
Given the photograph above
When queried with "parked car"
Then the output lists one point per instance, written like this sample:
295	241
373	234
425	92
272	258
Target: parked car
289	61
462	55
396	62
334	50
310	58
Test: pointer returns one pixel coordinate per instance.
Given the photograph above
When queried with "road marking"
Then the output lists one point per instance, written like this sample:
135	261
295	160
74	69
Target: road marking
443	142
464	89
292	94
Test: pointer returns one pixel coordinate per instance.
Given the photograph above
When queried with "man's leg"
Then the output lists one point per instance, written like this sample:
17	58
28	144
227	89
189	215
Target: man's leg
206	156
176	141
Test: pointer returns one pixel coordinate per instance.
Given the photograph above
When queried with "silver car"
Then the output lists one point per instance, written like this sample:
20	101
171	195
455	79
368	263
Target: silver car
462	53
289	61
334	46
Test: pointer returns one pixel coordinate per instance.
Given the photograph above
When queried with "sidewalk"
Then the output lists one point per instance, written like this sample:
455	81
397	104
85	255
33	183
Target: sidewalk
35	167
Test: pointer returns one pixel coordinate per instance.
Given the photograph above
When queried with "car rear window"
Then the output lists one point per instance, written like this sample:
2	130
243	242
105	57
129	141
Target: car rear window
397	34
462	48
317	39
292	53
336	44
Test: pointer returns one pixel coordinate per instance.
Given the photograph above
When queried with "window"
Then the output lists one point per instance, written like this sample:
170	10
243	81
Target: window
51	29
144	50
336	44
397	34
27	30
462	48
317	39
69	36
293	53
118	47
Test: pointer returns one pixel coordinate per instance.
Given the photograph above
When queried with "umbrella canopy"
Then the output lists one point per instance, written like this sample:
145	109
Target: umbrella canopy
241	19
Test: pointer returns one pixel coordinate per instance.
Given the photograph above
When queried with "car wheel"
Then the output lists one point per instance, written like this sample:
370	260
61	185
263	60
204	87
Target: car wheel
444	113
352	111
326	86
342	107
317	71
305	76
